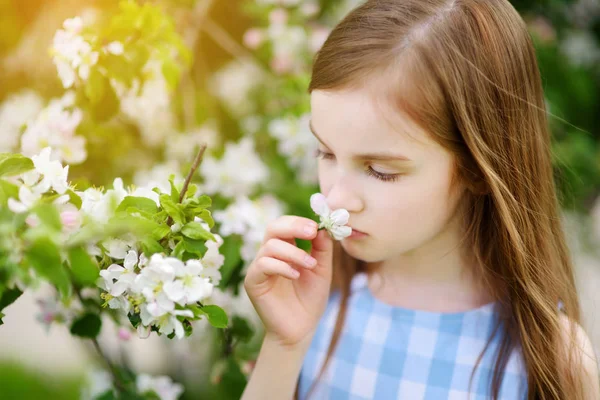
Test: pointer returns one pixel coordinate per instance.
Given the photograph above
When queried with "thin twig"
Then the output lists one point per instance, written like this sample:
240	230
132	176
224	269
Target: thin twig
117	381
223	39
195	166
189	177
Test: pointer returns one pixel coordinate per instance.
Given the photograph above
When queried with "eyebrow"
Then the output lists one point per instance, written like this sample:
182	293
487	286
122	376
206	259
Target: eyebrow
380	156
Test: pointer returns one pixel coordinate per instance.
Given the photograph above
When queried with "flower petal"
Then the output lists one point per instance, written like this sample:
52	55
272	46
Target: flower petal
340	216
340	232
318	203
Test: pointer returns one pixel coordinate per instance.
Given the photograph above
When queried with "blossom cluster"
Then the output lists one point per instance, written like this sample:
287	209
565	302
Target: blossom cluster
160	288
236	173
249	219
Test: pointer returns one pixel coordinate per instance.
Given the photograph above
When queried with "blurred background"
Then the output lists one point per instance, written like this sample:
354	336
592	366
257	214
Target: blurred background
232	74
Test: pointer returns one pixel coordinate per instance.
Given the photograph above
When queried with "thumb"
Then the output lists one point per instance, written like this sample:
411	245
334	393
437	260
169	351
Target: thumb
322	251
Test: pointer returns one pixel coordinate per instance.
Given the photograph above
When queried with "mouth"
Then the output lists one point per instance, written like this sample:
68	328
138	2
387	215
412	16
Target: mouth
356	233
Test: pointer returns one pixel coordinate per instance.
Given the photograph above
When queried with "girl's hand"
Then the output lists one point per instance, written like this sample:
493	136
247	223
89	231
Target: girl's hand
288	291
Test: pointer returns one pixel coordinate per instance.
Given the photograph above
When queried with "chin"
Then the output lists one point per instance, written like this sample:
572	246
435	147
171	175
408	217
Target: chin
361	252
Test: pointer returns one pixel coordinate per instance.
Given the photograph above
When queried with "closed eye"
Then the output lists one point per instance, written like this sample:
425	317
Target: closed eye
368	170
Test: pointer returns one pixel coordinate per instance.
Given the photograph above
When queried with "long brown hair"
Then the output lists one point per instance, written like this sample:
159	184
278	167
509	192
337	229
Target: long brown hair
466	71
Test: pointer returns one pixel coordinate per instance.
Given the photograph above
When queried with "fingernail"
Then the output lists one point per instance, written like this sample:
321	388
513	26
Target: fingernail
309	229
310	261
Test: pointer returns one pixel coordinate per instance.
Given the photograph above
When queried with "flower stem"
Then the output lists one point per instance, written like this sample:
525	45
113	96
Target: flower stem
195	166
188	179
111	368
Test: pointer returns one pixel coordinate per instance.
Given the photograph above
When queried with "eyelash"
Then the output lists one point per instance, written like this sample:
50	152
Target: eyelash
370	171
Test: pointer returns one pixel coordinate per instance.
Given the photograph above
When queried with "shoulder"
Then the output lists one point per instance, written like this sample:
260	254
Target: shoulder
578	344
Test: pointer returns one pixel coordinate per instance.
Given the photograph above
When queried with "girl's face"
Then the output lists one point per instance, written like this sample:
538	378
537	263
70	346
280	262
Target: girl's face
396	186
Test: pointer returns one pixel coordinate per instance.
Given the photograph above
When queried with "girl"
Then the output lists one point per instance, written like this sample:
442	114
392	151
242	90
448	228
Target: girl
456	282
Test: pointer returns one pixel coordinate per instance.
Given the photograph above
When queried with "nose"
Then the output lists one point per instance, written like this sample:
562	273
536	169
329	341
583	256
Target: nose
342	195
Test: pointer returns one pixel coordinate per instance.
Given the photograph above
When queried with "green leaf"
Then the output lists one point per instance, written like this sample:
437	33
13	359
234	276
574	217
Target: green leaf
207	217
14	164
191	190
108	395
173	209
241	329
135	319
87	326
216	315
8	297
107	106
45	258
231	251
74	199
188	328
196	247
84	270
161	231
203	201
151	246
138	203
95	86
172	72
49	216
232	381
178	250
8	190
194	230
174	191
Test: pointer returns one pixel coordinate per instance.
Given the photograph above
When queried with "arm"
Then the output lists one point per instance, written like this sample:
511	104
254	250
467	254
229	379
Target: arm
276	372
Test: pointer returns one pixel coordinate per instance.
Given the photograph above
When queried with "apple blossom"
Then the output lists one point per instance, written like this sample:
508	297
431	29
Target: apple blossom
334	221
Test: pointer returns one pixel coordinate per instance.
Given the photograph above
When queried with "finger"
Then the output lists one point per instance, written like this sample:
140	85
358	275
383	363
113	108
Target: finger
287	252
289	227
266	267
322	251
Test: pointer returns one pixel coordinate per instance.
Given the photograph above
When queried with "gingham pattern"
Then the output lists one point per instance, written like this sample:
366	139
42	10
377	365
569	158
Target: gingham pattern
388	352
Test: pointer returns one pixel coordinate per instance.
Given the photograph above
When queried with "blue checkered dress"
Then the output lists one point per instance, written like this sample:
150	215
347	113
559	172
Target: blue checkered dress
387	352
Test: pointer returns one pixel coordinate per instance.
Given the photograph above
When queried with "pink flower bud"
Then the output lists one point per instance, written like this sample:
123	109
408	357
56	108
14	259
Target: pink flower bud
124	334
70	219
253	38
309	9
32	221
282	64
278	16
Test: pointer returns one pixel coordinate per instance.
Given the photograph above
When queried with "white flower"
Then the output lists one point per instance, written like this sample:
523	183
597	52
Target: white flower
123	275
115	48
55	127
149	106
72	54
163	386
53	173
233	84
97	382
150	283
15	112
212	261
101	206
334	221
236	173
27	199
297	143
189	287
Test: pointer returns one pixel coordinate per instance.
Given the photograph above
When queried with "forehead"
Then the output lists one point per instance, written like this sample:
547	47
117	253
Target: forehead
357	120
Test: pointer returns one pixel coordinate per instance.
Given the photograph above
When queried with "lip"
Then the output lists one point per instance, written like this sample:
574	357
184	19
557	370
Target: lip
357	234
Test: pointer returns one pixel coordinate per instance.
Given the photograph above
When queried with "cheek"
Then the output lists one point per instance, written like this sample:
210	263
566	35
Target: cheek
415	209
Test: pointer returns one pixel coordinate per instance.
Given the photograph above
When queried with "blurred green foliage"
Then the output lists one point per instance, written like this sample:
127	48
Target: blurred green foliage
20	383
